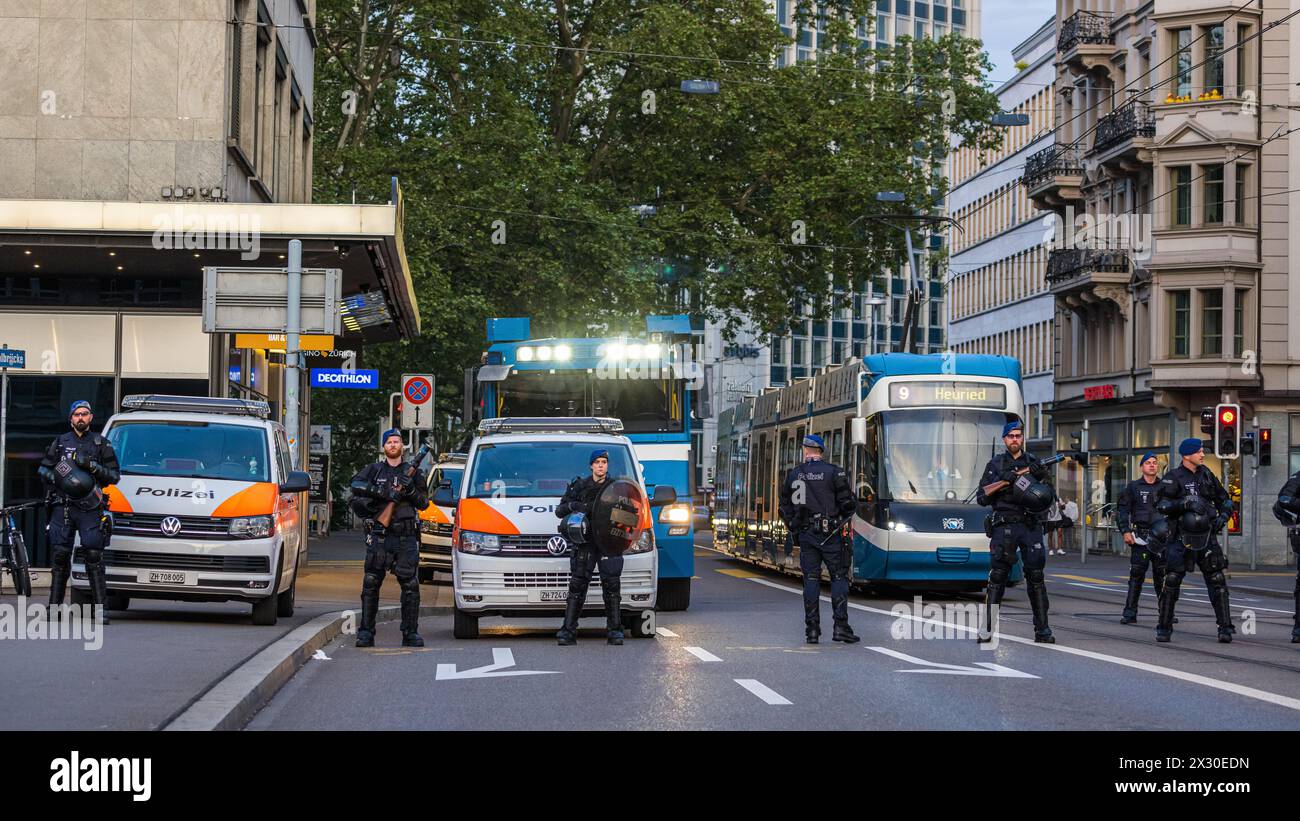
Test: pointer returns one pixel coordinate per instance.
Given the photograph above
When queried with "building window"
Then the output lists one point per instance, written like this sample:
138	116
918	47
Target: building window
1212	322
782	12
1240	195
1180	322
818	353
259	94
1242	33
1182	39
921	11
1294	443
1213	177
903	7
940	13
882	27
1182	184
796	352
778	350
1239	323
938	31
1214	59
920	30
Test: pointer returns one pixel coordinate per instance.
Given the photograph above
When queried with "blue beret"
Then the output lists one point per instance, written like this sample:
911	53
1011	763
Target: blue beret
598	453
812	440
1189	446
80	403
391	432
1012	425
1151	454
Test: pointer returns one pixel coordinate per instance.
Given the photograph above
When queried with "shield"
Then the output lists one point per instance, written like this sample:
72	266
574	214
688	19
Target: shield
619	516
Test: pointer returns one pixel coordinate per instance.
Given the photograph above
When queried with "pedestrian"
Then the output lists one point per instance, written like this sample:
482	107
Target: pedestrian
815	499
1071	513
1054	528
76	468
1195	507
1136	512
393	547
1287	511
1014	485
580	497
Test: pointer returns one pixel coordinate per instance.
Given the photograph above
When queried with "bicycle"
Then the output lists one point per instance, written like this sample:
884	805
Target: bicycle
13	550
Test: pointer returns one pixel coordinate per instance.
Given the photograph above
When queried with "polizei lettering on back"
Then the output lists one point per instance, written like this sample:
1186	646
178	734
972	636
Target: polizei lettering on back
177	493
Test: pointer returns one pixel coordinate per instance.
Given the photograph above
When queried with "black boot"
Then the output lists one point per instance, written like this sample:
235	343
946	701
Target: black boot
1131	602
1222	614
812	633
568	634
369	610
411	613
610	590
1038	604
844	633
1165	621
992	602
98	589
58	586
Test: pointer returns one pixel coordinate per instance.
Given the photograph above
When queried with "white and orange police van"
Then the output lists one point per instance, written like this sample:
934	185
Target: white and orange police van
209	506
510	559
445	476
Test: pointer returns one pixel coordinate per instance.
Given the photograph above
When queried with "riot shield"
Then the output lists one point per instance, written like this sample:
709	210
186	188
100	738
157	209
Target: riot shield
618	517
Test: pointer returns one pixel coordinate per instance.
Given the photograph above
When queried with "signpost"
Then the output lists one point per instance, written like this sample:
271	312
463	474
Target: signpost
417	401
9	358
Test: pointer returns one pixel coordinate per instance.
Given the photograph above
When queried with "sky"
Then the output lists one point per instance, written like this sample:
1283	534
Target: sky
1005	24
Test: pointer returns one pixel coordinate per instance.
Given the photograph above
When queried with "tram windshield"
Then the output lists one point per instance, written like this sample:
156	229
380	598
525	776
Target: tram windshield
938	455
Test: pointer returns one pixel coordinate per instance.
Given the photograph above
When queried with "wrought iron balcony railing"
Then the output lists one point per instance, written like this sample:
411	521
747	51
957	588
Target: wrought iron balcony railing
1068	263
1053	161
1133	119
1084	27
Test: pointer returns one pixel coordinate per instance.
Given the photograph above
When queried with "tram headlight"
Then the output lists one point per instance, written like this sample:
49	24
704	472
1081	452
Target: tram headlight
563	353
544	353
901	527
525	354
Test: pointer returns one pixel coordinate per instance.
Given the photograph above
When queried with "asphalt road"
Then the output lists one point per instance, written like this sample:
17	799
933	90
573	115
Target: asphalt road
736	660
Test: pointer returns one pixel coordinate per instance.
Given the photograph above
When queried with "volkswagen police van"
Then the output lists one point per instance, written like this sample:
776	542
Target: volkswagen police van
208	507
445	475
509	558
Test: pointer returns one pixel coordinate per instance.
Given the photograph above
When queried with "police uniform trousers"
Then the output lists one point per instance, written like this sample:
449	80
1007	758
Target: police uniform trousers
1025	535
67	523
583	560
1181	559
397	551
1142	557
812	555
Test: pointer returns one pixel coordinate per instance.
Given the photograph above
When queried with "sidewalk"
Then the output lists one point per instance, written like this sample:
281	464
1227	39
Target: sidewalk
1264	580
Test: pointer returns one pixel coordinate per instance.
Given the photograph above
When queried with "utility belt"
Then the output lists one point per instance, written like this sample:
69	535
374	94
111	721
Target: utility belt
819	524
999	518
398	527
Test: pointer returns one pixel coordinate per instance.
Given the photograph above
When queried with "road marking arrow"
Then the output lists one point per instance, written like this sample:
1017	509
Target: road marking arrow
502	657
982	668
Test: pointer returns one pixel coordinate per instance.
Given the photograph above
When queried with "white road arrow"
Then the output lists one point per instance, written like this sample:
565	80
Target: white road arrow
502	657
982	668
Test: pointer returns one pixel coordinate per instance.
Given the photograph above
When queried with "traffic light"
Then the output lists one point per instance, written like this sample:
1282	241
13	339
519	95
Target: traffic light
1265	447
1207	420
1227	431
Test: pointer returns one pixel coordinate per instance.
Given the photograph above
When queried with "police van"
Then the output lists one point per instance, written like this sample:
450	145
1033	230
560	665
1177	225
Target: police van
510	559
209	507
445	475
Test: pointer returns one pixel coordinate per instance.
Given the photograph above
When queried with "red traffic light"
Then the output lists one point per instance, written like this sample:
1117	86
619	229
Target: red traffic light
1227	416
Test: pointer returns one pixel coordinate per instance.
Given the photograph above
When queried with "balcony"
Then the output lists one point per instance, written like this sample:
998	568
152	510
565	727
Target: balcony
1086	42
1123	137
1077	273
1053	177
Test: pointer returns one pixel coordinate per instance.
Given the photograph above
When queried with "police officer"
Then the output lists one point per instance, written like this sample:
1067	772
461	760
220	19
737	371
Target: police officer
1196	507
393	548
580	497
1019	510
1136	513
814	499
76	467
1287	511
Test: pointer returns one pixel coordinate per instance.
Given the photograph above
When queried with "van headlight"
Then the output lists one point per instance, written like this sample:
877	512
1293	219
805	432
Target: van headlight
677	514
471	542
644	544
252	527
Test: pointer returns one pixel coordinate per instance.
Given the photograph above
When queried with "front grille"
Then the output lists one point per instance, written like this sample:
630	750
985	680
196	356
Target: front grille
441	549
532	581
528	545
192	527
953	555
185	561
441	529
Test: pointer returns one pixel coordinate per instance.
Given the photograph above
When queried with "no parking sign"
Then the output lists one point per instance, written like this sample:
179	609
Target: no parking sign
417	401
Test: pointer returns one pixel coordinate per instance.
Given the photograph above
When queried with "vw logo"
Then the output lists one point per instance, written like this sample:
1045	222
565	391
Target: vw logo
556	545
170	526
954	524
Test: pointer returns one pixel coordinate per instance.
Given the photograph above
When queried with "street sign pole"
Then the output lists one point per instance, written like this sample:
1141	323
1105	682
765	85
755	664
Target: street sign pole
4	427
291	342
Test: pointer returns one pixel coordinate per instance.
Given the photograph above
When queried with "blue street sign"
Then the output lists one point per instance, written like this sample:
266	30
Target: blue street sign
11	358
234	373
340	378
700	86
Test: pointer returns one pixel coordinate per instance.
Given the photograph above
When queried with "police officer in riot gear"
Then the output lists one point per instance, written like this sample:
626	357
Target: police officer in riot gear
1136	512
1196	507
1287	511
580	498
1014	485
814	499
395	547
76	467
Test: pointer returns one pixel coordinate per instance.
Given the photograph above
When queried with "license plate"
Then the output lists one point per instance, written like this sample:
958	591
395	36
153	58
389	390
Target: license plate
165	577
553	595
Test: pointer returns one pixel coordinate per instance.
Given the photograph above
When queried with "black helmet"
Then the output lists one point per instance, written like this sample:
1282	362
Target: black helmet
74	483
575	528
1291	503
1034	497
1196	523
1160	530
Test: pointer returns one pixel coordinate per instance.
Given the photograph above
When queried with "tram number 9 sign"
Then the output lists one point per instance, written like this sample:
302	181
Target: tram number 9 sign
953	394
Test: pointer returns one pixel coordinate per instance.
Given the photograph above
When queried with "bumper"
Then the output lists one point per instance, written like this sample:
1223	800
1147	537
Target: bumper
435	552
200	570
494	585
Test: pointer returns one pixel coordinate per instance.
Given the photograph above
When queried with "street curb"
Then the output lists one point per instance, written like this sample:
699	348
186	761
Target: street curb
233	700
1260	591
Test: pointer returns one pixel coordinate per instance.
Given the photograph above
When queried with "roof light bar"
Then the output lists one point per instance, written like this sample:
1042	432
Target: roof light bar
196	404
558	424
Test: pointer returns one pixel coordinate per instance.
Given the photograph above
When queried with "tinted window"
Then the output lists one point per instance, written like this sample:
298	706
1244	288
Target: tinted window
515	469
199	450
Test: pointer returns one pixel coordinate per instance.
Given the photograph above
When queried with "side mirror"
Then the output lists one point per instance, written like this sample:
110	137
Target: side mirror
443	497
664	495
858	430
296	482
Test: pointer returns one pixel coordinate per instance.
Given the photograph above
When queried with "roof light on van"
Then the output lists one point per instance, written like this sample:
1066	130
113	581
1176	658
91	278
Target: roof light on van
550	424
197	404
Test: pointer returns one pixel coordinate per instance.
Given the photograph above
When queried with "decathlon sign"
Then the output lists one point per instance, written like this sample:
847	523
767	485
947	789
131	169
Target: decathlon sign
342	378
